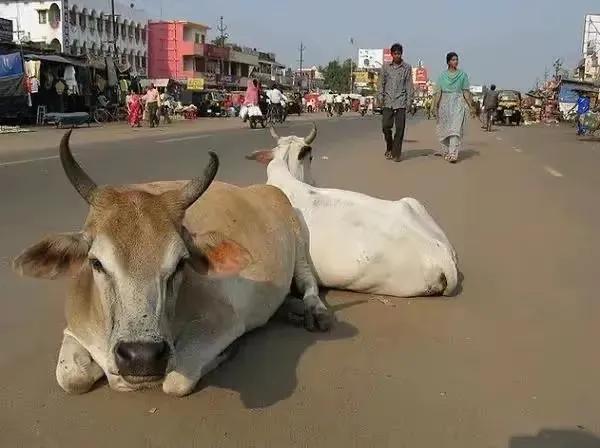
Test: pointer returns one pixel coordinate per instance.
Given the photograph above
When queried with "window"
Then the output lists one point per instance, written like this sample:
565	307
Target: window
197	38
43	16
100	25
203	39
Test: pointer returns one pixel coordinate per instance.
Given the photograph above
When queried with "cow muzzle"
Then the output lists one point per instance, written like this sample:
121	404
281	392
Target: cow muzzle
142	362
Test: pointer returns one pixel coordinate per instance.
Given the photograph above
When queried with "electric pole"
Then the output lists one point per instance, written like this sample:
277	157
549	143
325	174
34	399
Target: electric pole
221	28
114	31
302	48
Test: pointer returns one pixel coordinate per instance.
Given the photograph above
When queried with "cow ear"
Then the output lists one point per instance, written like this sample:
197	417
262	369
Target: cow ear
213	254
263	156
306	150
53	257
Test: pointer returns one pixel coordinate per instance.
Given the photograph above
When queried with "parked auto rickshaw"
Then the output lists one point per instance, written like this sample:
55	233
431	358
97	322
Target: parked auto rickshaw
509	107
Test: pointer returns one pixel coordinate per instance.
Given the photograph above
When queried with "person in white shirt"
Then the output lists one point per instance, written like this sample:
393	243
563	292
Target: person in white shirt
339	104
277	100
329	99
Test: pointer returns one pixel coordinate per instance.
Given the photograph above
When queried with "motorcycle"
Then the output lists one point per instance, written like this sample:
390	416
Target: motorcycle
253	115
363	110
339	109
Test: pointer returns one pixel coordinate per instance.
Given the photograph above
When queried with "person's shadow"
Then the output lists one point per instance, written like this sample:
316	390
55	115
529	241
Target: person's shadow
556	438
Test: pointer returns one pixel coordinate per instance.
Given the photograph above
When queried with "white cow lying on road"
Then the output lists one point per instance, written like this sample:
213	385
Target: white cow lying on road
358	242
165	278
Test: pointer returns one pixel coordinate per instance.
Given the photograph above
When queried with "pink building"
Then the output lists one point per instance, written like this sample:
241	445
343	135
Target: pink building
176	49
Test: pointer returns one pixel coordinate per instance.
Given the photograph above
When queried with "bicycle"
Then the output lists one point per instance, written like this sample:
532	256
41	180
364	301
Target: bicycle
274	115
109	114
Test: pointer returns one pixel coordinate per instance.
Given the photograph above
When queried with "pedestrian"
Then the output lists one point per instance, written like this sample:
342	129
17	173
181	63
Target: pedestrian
450	105
582	108
395	91
134	109
490	106
151	98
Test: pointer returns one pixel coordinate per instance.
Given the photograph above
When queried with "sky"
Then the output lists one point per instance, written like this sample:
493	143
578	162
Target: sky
507	42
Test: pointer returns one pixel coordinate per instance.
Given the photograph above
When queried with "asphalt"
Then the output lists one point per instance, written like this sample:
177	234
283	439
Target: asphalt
508	362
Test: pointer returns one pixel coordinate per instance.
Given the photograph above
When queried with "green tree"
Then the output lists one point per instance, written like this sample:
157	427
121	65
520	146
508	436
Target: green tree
337	76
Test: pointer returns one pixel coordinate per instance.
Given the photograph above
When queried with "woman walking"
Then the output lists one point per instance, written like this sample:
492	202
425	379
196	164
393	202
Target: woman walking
451	102
134	109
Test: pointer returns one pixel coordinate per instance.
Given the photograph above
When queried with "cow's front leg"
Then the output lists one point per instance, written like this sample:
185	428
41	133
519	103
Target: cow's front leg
198	351
76	371
316	314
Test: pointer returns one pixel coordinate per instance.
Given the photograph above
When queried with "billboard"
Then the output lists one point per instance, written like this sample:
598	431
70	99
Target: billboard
591	34
370	58
6	30
421	75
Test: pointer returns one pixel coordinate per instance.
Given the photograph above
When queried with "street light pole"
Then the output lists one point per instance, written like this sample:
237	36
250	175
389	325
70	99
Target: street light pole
112	19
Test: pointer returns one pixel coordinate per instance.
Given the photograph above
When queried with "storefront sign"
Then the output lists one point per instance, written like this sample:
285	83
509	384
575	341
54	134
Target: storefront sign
421	75
370	58
6	30
195	84
214	52
66	43
387	56
209	78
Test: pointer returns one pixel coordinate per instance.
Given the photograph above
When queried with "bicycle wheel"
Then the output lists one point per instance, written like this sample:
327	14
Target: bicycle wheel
101	116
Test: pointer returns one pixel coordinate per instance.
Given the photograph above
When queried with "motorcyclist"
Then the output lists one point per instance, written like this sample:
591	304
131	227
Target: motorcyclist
339	104
277	100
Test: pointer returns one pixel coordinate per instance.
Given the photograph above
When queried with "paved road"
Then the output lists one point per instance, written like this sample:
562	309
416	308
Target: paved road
509	362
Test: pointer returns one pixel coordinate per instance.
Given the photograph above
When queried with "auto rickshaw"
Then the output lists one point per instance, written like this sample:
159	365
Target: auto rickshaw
509	107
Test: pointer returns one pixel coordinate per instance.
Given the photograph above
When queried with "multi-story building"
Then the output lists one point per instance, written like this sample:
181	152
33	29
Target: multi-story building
179	50
82	27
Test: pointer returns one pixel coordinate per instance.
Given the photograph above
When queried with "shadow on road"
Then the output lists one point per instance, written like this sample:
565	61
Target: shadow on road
263	370
556	438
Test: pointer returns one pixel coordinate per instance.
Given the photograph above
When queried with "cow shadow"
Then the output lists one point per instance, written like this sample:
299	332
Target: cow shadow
264	368
557	438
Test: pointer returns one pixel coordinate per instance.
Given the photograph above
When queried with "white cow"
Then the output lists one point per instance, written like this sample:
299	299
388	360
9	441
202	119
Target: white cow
358	242
166	275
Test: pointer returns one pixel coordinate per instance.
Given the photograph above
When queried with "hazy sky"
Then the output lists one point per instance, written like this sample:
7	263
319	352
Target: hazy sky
508	42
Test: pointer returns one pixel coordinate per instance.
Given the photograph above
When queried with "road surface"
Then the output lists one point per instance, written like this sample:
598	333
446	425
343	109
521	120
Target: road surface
509	362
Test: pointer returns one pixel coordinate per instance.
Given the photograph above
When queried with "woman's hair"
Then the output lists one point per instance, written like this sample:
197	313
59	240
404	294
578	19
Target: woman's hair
449	56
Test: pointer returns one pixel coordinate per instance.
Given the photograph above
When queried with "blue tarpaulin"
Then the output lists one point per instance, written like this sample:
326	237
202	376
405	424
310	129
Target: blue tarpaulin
11	65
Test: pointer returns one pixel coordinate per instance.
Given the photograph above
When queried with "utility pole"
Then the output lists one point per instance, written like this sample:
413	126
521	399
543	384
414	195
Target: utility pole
221	28
302	48
112	20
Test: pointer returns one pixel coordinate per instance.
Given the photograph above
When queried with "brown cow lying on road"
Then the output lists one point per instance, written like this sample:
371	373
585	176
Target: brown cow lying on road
166	278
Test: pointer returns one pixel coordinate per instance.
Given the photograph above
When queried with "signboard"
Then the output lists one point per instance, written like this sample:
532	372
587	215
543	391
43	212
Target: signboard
6	30
370	58
214	52
421	76
66	43
195	84
209	78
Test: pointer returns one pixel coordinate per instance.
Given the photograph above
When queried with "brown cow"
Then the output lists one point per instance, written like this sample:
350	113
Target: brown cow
165	278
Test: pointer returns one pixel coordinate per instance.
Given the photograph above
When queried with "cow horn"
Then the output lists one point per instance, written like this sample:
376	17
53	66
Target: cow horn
84	185
198	185
311	137
273	133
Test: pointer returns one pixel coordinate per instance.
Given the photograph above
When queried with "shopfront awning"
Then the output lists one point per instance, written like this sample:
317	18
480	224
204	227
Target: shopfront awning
55	58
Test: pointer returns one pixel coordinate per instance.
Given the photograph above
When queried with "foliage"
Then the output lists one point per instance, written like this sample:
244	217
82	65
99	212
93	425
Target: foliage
337	76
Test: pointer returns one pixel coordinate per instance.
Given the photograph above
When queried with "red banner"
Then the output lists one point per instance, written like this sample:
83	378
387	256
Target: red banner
387	56
214	52
421	76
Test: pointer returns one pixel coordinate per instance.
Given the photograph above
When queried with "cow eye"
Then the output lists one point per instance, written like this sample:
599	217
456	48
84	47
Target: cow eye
97	265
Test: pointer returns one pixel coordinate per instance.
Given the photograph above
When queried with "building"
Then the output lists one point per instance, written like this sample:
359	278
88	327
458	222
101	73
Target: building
82	27
310	78
179	50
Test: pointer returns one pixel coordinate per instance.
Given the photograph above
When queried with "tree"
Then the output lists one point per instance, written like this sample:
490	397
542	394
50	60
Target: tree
337	76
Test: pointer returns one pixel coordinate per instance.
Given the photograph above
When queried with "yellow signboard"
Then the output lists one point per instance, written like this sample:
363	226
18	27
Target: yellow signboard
195	84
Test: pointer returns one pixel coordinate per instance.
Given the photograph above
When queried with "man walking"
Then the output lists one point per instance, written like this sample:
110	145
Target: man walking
151	99
396	93
490	105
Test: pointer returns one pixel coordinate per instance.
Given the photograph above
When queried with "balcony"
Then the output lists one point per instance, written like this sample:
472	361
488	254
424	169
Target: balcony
192	49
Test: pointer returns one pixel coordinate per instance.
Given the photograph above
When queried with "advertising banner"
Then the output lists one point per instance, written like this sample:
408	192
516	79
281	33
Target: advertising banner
421	76
370	58
195	84
6	30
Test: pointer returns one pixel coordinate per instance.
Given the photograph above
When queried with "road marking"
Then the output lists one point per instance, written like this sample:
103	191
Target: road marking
499	139
552	171
182	139
517	149
21	162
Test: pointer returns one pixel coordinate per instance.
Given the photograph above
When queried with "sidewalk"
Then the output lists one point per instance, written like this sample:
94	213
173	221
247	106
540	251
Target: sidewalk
48	137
